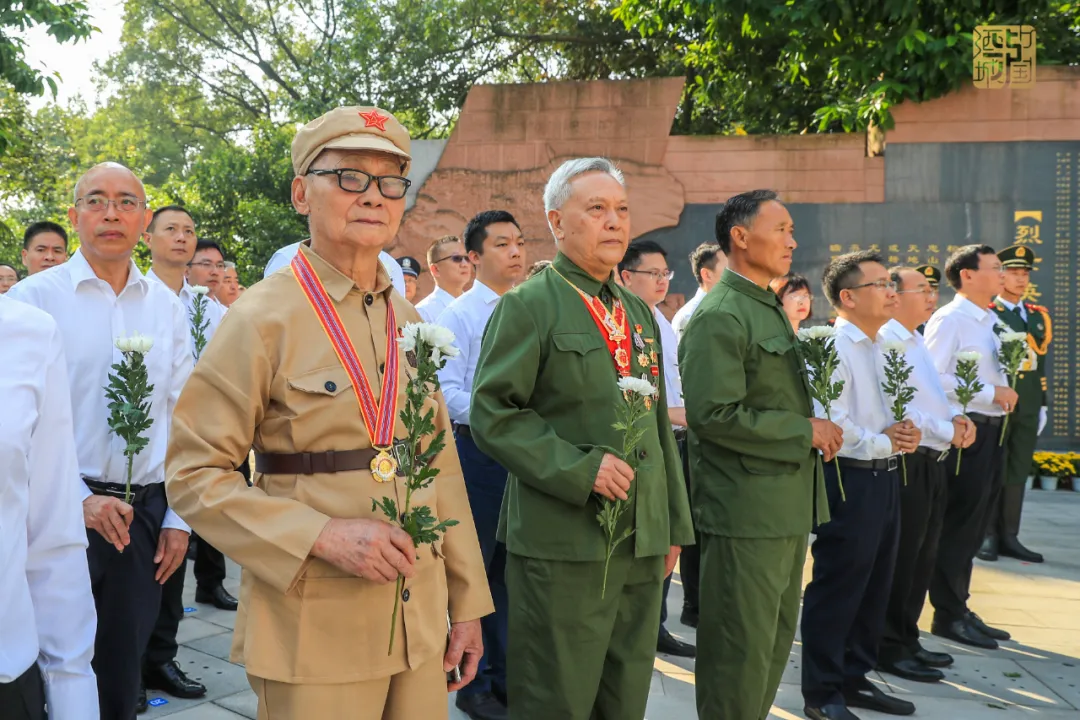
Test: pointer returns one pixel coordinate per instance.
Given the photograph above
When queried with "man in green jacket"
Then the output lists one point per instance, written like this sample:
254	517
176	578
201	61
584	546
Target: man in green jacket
752	463
544	403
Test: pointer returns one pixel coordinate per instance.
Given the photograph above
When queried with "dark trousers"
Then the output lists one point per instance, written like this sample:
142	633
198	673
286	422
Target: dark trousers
485	482
922	511
24	697
162	645
844	604
689	558
971	493
127	599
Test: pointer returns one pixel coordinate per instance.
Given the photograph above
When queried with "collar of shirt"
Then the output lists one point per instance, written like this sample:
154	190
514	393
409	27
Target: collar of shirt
749	288
588	284
852	331
962	304
441	296
336	283
79	271
700	294
484	293
896	329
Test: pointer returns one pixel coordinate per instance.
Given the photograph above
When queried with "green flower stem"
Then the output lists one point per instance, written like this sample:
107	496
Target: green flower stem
127	489
1005	425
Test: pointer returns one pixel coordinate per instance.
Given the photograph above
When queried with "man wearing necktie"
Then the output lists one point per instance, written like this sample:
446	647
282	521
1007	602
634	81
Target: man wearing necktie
1030	416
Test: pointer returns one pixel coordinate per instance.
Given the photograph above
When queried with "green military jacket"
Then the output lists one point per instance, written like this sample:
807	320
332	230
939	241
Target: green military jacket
752	469
543	405
1031	382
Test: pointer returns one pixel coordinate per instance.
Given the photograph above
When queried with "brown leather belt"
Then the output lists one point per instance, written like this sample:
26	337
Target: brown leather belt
315	463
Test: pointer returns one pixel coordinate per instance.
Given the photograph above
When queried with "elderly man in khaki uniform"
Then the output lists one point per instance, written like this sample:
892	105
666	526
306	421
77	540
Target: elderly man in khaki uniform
320	565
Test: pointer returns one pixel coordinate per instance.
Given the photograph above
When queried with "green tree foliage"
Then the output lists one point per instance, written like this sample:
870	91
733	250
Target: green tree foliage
827	65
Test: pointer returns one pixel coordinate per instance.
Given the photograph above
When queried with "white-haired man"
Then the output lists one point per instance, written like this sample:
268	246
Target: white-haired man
557	344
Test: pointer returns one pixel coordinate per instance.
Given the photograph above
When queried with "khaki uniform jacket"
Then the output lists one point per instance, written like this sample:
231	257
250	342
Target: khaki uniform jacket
270	379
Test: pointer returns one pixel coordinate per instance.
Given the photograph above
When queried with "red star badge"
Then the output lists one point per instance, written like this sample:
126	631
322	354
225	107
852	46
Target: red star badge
374	119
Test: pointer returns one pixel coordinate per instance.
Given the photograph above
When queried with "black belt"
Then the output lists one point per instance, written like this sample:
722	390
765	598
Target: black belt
935	455
991	420
308	463
889	463
463	430
139	493
680	433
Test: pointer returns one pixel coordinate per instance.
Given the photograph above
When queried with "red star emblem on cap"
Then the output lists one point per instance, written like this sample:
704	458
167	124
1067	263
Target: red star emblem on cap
373	119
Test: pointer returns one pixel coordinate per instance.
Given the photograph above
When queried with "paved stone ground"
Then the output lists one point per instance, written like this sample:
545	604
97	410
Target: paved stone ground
1037	675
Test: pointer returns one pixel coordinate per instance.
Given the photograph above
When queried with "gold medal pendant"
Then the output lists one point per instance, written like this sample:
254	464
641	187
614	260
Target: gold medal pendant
383	466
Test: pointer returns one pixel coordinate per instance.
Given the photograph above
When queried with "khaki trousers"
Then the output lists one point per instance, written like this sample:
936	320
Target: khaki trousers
413	694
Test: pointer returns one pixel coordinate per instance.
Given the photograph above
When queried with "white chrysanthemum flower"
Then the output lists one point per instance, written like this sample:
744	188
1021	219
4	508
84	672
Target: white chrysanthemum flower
200	289
135	343
816	332
894	346
969	356
1013	336
123	344
644	388
441	339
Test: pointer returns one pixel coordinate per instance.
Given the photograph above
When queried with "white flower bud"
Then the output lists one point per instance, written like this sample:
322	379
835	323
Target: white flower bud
1013	336
816	332
123	344
200	289
643	388
969	356
896	346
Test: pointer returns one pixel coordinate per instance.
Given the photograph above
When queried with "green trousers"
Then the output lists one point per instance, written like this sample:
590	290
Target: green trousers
572	655
750	588
1020	438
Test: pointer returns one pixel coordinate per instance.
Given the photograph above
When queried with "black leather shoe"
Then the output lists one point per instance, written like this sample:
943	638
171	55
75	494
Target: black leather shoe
962	632
829	712
911	669
168	677
689	617
482	706
142	705
670	645
219	597
868	695
989	550
1011	547
991	632
934	659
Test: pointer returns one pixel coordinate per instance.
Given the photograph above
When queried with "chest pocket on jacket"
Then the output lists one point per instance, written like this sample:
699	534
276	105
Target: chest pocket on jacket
774	361
312	390
577	358
778	345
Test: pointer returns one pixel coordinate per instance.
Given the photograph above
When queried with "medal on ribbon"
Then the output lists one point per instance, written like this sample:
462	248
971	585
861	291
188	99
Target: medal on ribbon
379	416
612	324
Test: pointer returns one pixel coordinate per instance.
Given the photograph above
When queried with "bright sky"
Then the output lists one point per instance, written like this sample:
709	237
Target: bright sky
75	61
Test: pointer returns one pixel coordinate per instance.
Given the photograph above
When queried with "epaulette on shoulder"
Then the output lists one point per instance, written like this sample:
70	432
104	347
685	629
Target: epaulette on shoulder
1036	308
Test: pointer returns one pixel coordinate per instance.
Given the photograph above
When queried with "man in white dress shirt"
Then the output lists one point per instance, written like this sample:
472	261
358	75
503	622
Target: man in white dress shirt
707	264
497	250
284	256
449	264
644	271
966	324
95	297
172	240
854	553
47	619
923	496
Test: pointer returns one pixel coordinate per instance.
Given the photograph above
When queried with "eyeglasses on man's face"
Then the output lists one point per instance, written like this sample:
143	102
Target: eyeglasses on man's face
657	275
392	187
454	258
208	265
879	284
100	203
930	291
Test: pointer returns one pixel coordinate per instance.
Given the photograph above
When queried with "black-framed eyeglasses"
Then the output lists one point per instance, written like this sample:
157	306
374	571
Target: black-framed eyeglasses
455	258
879	284
657	275
392	187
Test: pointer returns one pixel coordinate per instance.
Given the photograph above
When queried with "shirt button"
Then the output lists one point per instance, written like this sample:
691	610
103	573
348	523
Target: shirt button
405	595
330	386
642	454
382	368
369	299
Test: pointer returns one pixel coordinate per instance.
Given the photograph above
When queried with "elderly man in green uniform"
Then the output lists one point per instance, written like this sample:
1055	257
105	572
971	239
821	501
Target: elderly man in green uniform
545	400
753	441
1029	417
